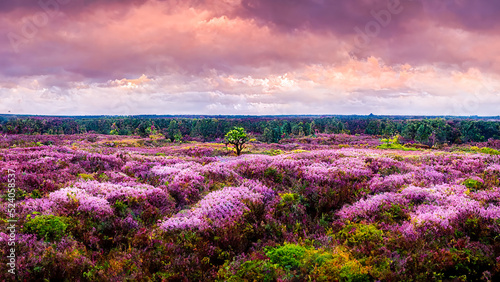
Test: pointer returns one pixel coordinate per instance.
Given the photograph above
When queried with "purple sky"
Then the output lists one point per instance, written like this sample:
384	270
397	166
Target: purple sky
79	57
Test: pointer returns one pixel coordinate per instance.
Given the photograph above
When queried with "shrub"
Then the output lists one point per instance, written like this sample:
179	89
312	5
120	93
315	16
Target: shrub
394	144
250	270
289	198
318	264
288	256
396	147
360	234
485	150
473	184
48	227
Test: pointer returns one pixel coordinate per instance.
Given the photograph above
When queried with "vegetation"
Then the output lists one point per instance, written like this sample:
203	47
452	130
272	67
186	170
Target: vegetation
393	143
427	131
323	207
236	137
47	227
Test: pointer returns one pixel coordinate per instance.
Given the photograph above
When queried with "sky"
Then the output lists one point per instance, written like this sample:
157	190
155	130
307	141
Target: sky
250	57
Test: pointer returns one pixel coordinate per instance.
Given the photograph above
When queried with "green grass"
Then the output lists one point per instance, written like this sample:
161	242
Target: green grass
396	147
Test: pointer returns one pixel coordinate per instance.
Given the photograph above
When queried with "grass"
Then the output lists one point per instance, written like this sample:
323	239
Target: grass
396	147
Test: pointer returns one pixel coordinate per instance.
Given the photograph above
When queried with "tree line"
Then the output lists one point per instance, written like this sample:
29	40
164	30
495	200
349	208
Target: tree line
427	131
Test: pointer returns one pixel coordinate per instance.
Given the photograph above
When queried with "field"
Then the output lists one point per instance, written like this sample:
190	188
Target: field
334	207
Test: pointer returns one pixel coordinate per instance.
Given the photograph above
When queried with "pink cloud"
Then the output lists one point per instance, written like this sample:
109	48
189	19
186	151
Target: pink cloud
250	54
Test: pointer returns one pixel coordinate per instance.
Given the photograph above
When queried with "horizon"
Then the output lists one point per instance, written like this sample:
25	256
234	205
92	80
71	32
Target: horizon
254	58
249	116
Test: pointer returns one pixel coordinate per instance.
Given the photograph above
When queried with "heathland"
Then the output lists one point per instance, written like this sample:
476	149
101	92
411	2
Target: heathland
323	207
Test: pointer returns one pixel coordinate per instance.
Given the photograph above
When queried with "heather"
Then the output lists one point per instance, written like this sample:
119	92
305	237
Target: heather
437	131
334	207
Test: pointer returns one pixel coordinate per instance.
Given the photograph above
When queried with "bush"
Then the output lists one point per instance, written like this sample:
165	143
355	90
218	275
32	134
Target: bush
48	227
356	234
485	150
341	267
396	147
288	256
473	184
250	270
289	198
317	264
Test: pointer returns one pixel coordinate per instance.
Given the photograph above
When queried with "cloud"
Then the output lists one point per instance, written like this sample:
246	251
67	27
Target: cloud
187	40
356	87
249	56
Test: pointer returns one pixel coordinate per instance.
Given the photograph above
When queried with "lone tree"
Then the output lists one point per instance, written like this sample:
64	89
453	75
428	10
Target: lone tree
237	137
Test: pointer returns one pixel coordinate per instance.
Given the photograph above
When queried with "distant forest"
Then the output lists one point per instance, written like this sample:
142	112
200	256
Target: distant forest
429	131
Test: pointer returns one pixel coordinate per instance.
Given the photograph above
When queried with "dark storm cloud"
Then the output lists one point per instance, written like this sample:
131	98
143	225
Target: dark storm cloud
336	16
342	15
75	5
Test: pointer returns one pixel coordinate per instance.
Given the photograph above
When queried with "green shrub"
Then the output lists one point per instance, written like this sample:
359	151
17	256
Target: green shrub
473	184
485	150
353	271
396	147
292	262
394	140
490	151
315	257
360	234
48	227
288	256
393	143
289	198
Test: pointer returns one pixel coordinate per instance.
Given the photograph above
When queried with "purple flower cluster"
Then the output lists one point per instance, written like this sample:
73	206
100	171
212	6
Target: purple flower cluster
218	209
67	197
113	191
439	208
389	183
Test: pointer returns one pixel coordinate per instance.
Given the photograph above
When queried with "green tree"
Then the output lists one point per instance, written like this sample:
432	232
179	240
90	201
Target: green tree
424	131
114	129
287	128
237	137
410	129
311	128
173	131
267	136
373	127
470	131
